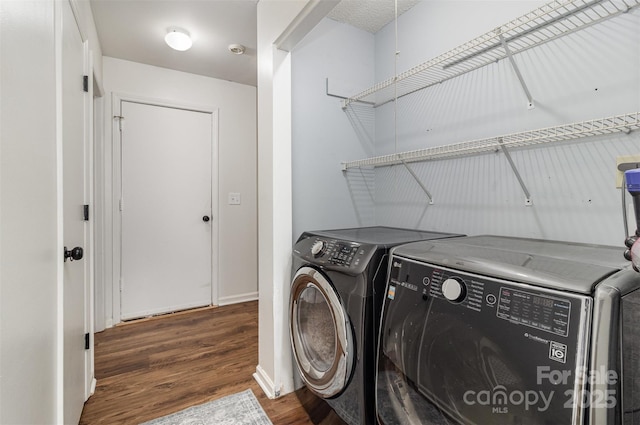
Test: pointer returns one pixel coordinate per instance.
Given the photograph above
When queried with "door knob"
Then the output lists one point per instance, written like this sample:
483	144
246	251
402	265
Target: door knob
205	218
75	254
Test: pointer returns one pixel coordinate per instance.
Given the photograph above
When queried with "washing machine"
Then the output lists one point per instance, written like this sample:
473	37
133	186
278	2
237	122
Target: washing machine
338	280
496	330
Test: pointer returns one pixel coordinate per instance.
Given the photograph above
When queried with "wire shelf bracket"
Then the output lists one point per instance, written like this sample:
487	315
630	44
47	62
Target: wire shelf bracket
514	65
527	195
417	179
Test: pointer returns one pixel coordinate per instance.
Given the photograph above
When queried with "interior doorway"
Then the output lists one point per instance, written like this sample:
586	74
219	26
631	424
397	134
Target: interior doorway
167	208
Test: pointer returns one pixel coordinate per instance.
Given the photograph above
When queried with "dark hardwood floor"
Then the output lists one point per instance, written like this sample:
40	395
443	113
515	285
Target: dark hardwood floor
154	367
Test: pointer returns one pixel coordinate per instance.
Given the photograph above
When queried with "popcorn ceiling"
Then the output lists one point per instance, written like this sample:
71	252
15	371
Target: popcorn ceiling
369	15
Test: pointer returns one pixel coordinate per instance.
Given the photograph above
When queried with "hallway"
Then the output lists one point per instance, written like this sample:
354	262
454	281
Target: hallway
153	367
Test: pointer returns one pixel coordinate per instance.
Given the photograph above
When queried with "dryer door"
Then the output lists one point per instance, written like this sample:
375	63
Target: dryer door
321	334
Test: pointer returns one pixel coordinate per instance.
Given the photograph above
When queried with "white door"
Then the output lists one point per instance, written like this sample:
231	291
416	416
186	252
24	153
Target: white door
166	210
73	101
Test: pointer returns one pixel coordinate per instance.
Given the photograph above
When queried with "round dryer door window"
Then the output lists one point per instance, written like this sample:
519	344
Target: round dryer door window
321	334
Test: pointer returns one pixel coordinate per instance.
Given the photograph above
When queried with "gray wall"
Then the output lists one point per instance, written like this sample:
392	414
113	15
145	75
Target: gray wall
593	73
323	135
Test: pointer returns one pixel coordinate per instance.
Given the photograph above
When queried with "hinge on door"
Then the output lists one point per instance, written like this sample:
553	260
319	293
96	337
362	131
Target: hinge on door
85	83
85	212
120	205
120	119
87	339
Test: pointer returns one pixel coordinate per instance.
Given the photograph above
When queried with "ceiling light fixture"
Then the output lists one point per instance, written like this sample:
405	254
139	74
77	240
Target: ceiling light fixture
236	49
178	39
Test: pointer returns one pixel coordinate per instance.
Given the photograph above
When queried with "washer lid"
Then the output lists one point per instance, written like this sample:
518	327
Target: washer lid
552	264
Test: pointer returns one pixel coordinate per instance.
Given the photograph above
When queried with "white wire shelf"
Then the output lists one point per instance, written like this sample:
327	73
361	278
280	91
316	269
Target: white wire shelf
553	20
603	126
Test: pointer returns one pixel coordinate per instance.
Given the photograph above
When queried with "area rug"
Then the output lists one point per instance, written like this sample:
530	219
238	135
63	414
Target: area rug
236	409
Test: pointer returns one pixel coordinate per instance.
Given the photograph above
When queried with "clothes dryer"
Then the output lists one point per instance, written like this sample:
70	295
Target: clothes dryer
336	296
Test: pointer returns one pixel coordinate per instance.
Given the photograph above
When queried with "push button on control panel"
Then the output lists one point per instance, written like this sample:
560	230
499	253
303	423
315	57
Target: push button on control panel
343	254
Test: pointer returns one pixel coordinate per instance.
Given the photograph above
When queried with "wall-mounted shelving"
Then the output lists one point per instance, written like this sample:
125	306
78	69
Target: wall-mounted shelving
597	127
553	20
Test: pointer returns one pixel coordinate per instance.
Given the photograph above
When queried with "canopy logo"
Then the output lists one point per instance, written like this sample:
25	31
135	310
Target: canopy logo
499	399
587	388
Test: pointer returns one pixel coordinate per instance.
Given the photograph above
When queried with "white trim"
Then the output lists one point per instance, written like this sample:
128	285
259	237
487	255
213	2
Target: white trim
312	13
57	13
99	207
163	310
90	241
116	190
78	17
215	201
111	213
94	382
265	383
236	299
98	88
124	97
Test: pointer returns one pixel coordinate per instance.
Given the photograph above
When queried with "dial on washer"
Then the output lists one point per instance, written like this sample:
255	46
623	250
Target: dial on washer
454	289
317	248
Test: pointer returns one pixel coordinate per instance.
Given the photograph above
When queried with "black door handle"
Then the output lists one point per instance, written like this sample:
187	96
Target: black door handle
205	218
75	254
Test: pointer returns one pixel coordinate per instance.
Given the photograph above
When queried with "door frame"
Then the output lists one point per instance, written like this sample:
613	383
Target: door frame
93	91
116	173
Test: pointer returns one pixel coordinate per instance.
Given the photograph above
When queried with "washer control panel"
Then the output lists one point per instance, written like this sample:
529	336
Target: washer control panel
339	253
547	313
336	253
342	254
512	303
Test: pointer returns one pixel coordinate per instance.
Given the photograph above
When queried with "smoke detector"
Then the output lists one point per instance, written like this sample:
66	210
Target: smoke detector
236	49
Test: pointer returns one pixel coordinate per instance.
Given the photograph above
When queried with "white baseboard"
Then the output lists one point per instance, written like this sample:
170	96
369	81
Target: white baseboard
163	310
235	299
266	383
94	382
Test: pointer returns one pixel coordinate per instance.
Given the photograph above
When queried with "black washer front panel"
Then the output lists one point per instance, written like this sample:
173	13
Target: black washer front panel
506	353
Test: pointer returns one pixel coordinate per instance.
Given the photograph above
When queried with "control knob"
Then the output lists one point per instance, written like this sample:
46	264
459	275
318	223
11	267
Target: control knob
454	289
317	249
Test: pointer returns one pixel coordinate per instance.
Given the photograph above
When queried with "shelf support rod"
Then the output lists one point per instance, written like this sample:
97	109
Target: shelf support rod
417	179
505	46
527	194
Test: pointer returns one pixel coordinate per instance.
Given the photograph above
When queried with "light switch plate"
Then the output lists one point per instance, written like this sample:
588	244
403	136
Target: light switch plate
624	163
234	198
